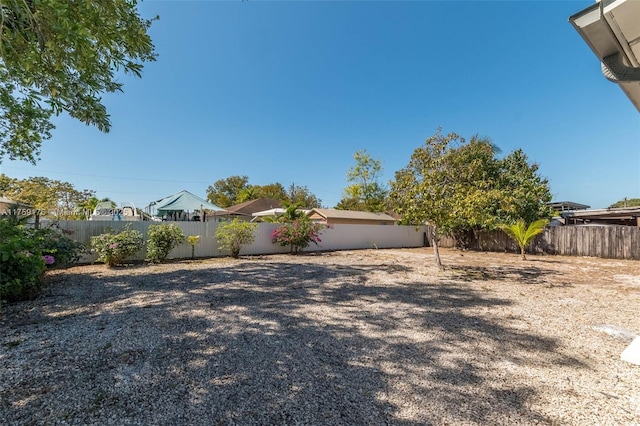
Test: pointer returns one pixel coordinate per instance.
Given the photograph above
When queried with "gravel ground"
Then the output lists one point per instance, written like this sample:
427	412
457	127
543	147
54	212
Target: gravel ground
367	337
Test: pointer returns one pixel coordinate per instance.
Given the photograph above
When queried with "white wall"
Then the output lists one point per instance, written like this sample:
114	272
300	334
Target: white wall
340	237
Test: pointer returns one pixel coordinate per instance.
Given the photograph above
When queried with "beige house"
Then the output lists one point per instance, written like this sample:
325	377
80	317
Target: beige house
245	211
350	217
17	209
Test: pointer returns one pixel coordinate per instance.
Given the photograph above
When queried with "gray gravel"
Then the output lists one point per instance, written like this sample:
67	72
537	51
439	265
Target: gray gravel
368	337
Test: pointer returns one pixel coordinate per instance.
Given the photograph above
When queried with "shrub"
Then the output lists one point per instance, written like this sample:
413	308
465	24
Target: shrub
298	234
55	244
21	263
234	234
113	249
162	239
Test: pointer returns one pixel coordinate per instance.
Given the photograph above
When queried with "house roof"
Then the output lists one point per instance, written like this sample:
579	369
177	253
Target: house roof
351	214
567	205
611	213
183	201
252	206
6	202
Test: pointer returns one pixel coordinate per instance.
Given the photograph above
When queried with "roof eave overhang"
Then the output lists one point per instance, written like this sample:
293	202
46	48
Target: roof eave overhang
607	27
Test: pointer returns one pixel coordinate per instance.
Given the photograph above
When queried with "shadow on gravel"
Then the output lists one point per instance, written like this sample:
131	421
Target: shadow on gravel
268	343
527	274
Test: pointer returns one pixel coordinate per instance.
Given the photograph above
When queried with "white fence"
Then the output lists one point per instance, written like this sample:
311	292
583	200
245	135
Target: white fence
340	237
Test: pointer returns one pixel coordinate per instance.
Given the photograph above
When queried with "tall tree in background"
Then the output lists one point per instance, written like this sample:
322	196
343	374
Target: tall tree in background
236	189
271	190
301	196
365	192
525	194
225	192
60	56
626	202
53	198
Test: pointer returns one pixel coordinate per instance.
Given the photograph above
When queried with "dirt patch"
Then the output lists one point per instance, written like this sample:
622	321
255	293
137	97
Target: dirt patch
350	337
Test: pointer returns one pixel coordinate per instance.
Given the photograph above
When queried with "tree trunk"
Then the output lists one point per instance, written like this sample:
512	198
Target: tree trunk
522	252
436	251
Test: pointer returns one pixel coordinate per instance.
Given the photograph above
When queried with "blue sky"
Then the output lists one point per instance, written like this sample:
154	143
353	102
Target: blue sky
288	91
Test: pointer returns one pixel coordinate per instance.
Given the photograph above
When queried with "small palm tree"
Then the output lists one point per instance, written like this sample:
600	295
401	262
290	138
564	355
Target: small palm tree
193	240
523	234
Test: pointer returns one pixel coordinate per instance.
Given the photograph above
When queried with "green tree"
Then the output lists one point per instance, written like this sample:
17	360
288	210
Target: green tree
523	234
626	202
444	185
366	192
525	193
302	197
476	188
271	190
225	192
234	234
53	198
252	192
61	56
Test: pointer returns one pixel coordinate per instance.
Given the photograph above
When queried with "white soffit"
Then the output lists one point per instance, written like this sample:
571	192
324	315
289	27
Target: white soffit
610	28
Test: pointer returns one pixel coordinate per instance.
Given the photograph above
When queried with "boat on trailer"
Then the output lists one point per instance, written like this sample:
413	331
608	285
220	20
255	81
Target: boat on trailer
105	211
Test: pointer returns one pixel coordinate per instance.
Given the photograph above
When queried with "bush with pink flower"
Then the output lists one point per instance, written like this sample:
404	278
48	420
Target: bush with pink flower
298	234
113	249
25	253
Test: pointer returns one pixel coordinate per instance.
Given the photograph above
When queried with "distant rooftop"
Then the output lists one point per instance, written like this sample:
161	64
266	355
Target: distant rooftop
564	206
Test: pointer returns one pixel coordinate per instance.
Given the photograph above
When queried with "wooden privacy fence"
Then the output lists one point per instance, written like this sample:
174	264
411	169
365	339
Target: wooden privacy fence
612	242
340	237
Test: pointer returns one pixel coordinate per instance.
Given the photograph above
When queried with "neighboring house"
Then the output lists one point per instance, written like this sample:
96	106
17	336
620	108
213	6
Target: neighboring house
611	28
15	209
629	216
563	206
350	217
183	206
246	210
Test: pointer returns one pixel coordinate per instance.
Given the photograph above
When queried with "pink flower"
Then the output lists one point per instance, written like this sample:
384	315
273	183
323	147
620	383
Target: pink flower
48	259
113	245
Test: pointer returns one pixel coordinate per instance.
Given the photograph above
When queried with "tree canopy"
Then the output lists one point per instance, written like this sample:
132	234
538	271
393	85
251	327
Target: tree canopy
61	56
524	193
626	202
236	189
226	192
302	197
458	186
52	198
366	192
